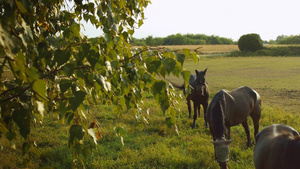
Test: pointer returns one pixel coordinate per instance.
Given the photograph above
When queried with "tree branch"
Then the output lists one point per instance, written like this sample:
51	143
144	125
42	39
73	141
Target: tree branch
144	50
17	95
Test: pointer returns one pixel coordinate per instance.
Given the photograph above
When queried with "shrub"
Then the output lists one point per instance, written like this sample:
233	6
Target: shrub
250	42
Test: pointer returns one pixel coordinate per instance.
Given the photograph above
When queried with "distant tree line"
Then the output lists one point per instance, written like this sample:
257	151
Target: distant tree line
284	39
179	39
189	39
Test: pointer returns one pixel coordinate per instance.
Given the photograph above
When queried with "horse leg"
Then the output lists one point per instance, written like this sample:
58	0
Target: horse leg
195	113
204	112
246	127
188	102
255	118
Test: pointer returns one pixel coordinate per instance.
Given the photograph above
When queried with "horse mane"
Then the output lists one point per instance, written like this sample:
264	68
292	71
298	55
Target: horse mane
217	116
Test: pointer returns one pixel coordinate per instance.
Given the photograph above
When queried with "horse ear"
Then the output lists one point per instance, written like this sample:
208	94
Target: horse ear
196	71
205	71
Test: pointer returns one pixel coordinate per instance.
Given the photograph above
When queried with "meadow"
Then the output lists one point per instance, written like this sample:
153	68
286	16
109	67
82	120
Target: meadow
153	144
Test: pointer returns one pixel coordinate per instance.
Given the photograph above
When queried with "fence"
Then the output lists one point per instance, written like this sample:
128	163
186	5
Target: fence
215	53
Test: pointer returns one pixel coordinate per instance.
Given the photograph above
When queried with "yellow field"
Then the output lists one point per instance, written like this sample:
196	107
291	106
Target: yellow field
204	47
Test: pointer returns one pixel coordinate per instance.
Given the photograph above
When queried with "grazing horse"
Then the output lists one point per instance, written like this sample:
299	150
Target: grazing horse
277	147
230	108
199	94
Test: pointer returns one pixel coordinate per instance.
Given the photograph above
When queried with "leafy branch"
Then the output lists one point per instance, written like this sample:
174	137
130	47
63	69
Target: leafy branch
14	96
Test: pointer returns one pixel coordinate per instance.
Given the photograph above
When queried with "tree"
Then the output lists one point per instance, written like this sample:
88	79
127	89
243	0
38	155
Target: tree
149	40
292	39
250	42
70	77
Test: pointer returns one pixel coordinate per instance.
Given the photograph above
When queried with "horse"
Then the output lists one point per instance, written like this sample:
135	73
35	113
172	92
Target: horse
199	94
230	108
277	147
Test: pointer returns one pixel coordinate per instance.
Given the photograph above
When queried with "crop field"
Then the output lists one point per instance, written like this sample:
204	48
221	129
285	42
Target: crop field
153	144
204	47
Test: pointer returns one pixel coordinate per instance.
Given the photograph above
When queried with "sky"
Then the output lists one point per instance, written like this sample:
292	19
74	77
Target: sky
224	18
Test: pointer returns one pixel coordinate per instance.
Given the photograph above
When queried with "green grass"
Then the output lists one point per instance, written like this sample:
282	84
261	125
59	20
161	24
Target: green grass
154	145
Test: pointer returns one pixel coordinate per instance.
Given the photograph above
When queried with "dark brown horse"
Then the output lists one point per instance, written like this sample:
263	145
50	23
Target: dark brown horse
277	147
230	108
199	94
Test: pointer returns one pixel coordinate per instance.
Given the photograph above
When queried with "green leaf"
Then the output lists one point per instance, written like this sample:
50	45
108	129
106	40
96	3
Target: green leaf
69	117
158	87
61	57
187	53
160	94
130	32
10	135
76	133
77	99
32	72
69	69
195	57
39	87
180	58
21	118
169	64
21	6
186	77
140	23
75	29
64	85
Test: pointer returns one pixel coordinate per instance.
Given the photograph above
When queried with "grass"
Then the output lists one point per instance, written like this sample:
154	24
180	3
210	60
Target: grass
154	145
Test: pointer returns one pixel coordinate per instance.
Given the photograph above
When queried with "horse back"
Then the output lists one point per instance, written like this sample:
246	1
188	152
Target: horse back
245	99
192	81
277	147
239	104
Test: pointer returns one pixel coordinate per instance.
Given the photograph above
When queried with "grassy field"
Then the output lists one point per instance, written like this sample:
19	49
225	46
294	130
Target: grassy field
154	145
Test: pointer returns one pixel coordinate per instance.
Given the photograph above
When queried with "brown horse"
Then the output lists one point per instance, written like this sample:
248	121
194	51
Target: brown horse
277	147
199	94
230	108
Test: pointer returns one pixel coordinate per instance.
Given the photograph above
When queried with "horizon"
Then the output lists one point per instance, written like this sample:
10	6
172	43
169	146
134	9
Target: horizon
230	19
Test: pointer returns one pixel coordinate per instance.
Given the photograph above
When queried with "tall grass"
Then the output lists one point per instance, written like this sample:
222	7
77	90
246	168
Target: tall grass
154	145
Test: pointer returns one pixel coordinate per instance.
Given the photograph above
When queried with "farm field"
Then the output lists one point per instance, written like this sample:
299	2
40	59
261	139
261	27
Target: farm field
204	47
154	145
212	48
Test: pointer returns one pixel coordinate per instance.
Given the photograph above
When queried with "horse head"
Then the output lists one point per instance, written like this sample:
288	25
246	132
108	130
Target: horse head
201	82
222	152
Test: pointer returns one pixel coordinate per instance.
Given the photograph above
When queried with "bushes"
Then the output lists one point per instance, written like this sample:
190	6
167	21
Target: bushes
250	42
271	51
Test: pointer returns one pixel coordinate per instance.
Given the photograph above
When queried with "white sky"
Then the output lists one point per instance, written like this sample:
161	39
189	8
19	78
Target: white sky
224	18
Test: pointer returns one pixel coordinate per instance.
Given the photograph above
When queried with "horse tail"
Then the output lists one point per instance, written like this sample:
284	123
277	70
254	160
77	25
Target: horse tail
181	87
257	99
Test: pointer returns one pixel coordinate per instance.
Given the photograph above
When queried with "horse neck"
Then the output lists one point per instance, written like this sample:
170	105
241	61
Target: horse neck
218	120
